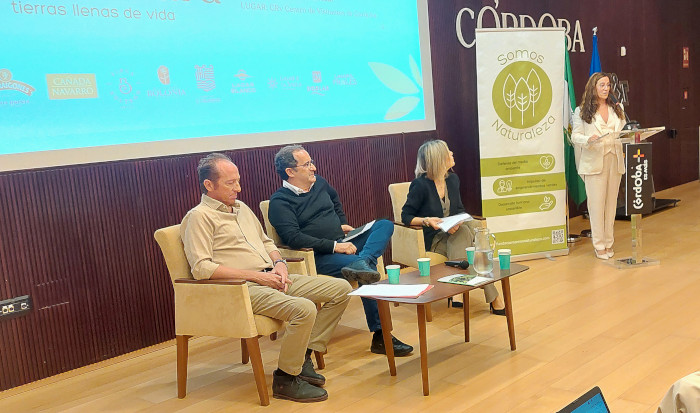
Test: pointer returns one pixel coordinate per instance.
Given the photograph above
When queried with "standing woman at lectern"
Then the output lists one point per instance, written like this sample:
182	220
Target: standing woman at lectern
599	158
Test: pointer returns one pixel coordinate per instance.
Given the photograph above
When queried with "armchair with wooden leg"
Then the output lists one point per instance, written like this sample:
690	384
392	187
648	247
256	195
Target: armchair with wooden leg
223	309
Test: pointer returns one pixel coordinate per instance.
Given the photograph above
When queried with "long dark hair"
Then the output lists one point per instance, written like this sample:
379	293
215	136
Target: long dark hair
589	100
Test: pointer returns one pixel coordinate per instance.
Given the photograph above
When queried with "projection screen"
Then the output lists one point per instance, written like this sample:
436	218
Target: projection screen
102	80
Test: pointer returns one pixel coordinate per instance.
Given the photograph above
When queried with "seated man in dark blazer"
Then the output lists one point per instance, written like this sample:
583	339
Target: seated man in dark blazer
306	213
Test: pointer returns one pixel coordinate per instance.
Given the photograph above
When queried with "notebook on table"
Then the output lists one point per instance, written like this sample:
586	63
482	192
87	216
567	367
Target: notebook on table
591	402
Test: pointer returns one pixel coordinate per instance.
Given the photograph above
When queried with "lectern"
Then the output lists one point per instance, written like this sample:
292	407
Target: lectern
639	190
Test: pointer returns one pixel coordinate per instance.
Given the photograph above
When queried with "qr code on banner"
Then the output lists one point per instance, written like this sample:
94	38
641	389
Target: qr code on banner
557	236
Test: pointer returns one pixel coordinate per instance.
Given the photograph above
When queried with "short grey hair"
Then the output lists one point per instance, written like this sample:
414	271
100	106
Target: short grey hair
207	169
285	159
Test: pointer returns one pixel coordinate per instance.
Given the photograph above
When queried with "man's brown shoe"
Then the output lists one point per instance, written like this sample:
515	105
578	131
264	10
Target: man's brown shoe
287	387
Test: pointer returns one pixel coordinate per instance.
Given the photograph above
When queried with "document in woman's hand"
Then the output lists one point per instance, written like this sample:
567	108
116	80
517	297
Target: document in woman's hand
449	222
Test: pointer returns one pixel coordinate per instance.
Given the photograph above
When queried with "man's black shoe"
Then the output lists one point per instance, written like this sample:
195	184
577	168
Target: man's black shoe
309	375
400	349
361	272
288	387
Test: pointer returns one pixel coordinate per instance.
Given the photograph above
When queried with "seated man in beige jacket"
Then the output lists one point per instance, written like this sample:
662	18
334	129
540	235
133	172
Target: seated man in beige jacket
223	239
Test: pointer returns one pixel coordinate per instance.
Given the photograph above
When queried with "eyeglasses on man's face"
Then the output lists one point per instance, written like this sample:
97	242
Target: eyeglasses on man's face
307	164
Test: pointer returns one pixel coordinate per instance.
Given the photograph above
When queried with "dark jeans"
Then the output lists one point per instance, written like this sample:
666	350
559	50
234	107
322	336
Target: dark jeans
370	246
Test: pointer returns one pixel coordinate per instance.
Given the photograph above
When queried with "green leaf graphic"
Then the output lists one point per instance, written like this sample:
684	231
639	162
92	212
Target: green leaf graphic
401	107
415	72
392	78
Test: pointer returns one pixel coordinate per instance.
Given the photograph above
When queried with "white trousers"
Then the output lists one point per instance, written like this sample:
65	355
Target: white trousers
601	191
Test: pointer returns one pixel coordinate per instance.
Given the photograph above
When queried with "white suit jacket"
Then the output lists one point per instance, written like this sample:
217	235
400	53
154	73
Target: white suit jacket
683	396
589	158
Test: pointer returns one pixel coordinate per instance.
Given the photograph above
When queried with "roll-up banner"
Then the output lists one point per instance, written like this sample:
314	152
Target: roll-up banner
520	77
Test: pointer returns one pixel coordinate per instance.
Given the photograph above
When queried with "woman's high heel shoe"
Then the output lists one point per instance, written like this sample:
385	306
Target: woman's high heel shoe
502	311
452	303
601	256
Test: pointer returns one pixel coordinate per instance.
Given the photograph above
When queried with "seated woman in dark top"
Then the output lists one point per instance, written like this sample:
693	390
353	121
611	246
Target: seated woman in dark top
434	194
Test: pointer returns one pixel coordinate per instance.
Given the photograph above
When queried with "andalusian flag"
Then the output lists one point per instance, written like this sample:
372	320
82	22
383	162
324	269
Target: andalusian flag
574	183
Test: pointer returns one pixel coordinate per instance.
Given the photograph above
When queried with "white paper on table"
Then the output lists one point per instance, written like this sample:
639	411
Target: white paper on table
449	222
392	290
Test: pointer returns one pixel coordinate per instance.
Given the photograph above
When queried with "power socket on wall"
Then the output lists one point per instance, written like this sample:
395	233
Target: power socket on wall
15	307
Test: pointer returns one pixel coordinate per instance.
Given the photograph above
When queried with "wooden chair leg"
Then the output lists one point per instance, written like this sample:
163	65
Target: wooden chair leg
428	313
244	352
320	363
181	345
258	370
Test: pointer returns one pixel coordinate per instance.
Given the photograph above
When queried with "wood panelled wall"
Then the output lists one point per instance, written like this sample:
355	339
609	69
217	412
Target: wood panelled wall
79	239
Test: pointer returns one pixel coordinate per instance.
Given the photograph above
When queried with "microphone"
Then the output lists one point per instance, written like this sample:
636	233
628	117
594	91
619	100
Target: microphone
458	264
631	124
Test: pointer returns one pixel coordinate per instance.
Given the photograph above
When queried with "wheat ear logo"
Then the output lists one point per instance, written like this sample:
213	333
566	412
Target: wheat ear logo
522	94
397	81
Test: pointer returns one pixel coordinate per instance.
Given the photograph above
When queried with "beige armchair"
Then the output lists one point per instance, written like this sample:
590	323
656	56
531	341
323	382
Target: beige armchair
407	243
306	253
215	308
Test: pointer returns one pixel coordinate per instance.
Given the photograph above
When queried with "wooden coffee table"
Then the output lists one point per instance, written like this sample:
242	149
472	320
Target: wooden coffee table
441	291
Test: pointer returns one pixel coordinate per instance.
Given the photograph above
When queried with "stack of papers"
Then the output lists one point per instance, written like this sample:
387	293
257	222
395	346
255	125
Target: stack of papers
392	290
449	222
461	279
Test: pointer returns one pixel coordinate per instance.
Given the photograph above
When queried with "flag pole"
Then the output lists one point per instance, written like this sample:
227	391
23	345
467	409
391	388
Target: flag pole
595	67
574	183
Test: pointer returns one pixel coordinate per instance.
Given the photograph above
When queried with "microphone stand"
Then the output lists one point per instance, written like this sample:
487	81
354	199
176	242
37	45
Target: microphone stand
631	124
